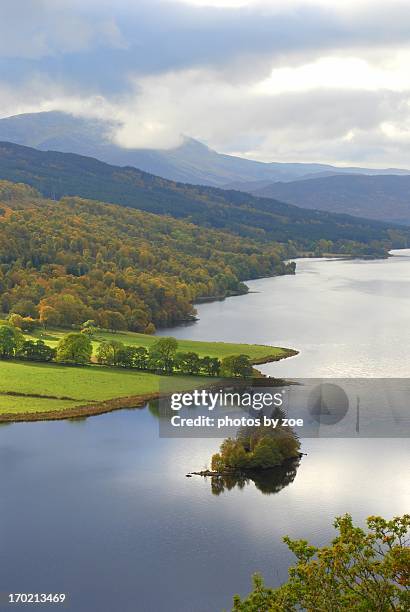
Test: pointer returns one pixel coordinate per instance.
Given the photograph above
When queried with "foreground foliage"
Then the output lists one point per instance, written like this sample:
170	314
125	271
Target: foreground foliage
361	570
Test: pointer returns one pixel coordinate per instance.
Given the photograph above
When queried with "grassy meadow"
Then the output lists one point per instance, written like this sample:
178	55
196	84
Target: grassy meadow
27	387
212	349
64	387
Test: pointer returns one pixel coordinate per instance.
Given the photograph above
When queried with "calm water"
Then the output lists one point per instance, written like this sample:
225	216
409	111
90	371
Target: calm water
347	318
101	508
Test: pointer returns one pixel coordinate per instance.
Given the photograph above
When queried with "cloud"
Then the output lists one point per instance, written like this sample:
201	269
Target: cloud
298	80
332	124
342	72
35	29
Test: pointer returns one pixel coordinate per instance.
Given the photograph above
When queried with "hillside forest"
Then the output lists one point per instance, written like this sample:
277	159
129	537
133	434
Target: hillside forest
74	260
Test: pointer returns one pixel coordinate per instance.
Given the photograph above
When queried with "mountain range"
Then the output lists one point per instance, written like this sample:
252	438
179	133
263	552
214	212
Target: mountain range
191	162
382	194
375	197
57	175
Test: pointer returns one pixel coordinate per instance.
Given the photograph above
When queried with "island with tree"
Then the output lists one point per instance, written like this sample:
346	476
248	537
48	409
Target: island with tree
265	455
256	448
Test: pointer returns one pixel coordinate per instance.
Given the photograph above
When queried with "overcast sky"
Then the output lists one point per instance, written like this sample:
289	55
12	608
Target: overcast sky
275	80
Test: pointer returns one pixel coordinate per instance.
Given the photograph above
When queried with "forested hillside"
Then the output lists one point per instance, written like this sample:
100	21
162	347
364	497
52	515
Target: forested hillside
72	260
59	174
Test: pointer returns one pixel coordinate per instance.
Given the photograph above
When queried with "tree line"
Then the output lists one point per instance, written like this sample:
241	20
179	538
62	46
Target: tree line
161	357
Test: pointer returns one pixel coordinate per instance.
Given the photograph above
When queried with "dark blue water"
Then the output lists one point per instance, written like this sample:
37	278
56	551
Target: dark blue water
101	509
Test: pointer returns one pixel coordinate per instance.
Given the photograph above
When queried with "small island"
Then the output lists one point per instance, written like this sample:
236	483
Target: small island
268	457
254	449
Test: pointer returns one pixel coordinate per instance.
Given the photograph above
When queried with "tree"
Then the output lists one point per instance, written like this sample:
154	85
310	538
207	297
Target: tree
11	340
225	459
105	354
89	328
217	463
162	354
187	363
266	454
28	324
360	570
140	358
16	320
125	356
36	351
48	315
26	308
84	259
237	365
210	366
74	348
117	354
138	320
68	308
118	351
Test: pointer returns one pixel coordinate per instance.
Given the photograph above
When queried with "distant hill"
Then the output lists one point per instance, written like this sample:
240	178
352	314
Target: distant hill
57	175
192	162
386	198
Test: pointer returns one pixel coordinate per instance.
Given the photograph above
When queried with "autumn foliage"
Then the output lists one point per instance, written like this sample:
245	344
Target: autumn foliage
362	569
69	261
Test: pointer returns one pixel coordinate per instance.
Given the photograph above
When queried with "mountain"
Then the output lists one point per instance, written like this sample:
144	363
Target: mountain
192	162
57	175
386	198
74	259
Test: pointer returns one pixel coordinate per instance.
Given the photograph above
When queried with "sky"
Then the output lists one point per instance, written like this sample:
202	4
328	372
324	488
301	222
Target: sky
273	80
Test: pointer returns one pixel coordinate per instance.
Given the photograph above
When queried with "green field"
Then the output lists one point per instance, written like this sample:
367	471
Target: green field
82	385
28	405
64	387
212	349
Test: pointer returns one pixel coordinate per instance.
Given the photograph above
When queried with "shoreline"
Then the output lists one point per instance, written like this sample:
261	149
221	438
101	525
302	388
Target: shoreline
137	401
122	403
306	255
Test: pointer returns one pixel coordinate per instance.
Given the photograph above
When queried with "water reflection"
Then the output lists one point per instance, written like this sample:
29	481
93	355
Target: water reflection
267	481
